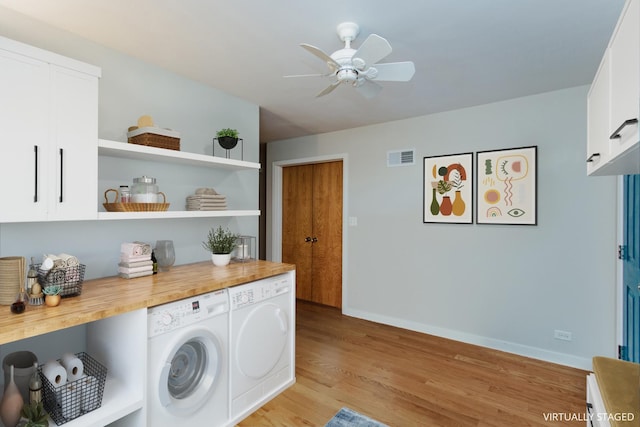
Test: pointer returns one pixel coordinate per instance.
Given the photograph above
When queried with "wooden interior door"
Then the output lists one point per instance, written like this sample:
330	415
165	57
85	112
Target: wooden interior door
312	230
327	234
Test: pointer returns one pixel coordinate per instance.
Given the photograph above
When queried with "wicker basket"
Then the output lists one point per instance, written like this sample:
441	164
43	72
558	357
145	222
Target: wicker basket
155	137
12	274
133	207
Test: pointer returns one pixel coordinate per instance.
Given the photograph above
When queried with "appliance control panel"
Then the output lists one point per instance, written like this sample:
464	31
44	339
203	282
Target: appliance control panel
254	292
168	317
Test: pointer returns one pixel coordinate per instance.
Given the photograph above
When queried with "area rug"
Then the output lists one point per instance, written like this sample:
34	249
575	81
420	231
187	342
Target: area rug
349	418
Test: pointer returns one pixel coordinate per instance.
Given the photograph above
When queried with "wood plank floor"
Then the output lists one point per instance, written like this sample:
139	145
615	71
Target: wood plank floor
405	378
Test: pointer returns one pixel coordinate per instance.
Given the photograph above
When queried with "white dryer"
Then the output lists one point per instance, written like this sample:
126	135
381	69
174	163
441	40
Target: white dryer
187	362
262	325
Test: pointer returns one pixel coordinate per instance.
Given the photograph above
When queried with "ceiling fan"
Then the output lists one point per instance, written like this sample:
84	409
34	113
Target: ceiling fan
359	67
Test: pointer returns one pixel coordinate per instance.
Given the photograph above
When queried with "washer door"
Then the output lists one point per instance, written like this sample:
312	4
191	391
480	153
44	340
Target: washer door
261	340
189	371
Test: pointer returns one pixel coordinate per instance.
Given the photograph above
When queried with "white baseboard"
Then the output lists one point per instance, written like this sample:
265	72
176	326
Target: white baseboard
509	347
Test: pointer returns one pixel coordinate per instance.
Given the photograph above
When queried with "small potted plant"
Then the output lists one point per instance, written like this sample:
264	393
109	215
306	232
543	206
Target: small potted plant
227	138
52	295
33	415
220	243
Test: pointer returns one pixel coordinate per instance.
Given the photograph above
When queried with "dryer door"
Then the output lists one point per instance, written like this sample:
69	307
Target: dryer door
262	340
188	372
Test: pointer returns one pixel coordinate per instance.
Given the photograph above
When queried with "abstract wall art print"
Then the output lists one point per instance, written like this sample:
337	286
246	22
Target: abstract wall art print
448	189
506	186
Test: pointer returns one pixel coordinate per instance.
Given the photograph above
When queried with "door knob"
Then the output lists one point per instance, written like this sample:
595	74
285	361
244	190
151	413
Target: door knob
307	239
315	239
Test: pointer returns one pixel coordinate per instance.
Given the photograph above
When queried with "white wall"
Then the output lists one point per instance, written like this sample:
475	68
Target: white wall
507	287
128	89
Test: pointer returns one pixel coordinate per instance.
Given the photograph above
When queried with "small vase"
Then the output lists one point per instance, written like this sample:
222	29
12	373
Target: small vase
220	260
446	206
11	404
459	205
435	207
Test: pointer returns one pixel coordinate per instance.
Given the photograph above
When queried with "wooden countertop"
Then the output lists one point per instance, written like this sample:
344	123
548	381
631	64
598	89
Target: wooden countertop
110	296
619	384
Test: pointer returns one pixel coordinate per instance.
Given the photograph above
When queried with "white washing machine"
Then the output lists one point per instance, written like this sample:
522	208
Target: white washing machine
188	377
262	325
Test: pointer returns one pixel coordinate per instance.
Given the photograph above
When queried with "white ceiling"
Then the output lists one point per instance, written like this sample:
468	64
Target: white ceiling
466	52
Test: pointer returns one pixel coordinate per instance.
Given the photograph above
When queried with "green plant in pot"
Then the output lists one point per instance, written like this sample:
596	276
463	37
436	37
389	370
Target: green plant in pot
220	242
34	415
227	138
52	295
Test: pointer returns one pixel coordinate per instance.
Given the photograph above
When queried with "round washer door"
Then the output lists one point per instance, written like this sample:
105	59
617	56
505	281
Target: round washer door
189	371
261	340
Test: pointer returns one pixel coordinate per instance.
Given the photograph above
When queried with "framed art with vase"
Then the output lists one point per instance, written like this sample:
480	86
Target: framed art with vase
448	189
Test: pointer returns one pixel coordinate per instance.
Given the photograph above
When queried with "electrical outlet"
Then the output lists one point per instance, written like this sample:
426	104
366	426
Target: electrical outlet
562	335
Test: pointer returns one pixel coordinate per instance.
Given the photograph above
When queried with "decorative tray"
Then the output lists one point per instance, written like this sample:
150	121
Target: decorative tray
133	207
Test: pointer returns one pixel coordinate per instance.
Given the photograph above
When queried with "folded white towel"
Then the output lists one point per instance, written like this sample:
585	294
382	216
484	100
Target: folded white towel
128	258
130	270
134	275
135	264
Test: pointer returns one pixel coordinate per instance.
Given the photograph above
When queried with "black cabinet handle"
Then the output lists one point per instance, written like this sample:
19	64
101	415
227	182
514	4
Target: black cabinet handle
307	239
61	173
592	157
35	189
314	240
616	134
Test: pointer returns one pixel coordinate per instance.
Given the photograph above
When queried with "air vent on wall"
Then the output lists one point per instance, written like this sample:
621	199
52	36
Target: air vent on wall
401	158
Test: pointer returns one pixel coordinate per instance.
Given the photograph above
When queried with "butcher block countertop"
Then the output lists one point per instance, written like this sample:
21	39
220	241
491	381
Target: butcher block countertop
111	296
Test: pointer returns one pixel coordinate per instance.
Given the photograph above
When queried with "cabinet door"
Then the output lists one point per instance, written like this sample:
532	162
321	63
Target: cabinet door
74	143
24	146
625	78
598	118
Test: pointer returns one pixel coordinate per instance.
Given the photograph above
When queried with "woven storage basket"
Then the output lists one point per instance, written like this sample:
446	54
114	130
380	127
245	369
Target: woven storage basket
133	207
155	137
12	276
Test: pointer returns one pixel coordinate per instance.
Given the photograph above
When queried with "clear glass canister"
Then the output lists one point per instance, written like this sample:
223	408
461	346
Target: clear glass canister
144	190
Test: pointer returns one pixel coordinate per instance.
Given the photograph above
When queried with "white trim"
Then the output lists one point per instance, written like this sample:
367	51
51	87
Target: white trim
509	347
276	208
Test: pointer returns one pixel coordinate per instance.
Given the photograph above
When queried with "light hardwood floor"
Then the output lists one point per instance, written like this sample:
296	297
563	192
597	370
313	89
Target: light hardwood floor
404	378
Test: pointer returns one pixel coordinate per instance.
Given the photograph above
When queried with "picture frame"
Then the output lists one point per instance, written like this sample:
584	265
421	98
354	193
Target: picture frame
448	189
507	186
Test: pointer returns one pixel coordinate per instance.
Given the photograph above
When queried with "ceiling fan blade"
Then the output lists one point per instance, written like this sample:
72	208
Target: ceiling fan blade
307	75
392	71
320	54
328	89
368	89
373	49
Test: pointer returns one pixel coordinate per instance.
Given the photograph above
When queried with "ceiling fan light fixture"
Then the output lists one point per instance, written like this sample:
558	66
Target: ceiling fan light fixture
347	75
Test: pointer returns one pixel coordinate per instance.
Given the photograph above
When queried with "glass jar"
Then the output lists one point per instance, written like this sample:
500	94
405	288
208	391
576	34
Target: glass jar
144	190
125	194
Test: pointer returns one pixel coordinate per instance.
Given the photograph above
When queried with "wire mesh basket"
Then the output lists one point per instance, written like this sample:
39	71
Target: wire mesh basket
75	398
69	278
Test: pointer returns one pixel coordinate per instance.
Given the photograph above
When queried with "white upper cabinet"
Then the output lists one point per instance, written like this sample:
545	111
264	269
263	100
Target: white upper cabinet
49	144
614	101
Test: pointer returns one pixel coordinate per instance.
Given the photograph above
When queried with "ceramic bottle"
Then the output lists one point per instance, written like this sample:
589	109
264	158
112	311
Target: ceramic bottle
11	403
